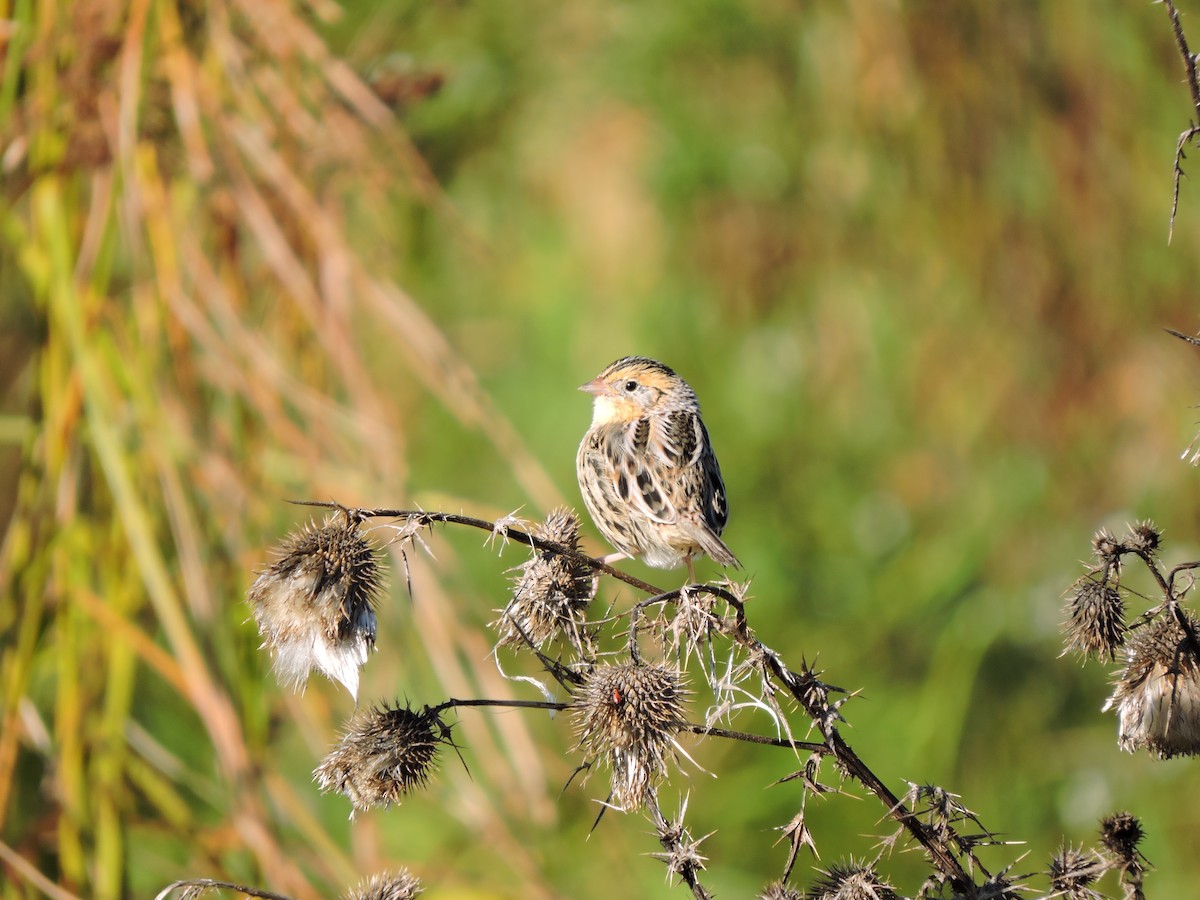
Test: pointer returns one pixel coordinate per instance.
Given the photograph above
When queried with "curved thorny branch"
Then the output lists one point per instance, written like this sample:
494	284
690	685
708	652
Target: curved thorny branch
1189	134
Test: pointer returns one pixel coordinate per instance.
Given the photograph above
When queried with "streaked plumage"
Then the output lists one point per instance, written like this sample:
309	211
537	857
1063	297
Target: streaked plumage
646	467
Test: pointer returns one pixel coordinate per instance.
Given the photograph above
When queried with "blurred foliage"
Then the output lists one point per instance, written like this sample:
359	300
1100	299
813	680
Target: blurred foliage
912	256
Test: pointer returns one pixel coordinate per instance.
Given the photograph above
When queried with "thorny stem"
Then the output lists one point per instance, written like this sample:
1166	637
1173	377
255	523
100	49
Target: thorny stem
702	730
669	841
209	883
1166	583
516	534
1189	65
939	853
511	704
710	731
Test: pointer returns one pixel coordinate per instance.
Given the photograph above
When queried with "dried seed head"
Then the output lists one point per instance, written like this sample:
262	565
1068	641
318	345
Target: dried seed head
852	880
628	716
1073	872
400	885
777	890
1120	834
313	605
386	752
1144	537
551	591
1157	695
1107	548
998	887
1095	623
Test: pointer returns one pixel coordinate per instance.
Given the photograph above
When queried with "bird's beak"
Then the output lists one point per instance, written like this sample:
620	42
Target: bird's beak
595	387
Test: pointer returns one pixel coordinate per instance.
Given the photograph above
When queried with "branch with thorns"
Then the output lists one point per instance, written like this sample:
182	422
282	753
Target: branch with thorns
1193	129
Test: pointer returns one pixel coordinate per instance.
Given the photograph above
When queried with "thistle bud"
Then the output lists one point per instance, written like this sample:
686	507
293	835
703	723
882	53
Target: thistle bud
385	754
1095	623
551	591
852	880
1073	872
1120	834
387	886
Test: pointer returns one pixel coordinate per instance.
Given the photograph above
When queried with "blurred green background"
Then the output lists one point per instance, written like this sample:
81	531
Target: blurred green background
912	257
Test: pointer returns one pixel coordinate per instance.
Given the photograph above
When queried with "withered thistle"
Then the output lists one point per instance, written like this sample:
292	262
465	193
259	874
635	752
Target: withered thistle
777	890
551	590
1157	695
1144	537
628	715
386	753
1120	834
852	880
1107	549
1095	623
1073	872
313	605
401	885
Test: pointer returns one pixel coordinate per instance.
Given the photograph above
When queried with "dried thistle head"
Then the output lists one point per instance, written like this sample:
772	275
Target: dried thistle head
551	591
852	880
1107	549
314	604
1157	695
777	890
1095	623
1120	835
628	716
401	885
386	753
1073	872
1144	537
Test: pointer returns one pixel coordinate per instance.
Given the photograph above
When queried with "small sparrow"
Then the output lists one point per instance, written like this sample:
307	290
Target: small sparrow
647	470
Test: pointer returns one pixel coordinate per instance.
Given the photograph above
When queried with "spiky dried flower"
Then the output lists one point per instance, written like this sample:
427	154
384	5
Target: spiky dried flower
314	604
999	887
401	885
1144	537
1157	695
852	880
777	890
1107	548
1072	873
386	753
551	590
1095	623
628	716
1120	834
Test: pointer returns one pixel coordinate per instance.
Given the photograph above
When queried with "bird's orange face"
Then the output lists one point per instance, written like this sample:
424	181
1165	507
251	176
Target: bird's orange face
627	391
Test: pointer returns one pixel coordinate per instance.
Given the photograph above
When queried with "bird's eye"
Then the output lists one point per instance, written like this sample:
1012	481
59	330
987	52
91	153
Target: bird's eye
631	386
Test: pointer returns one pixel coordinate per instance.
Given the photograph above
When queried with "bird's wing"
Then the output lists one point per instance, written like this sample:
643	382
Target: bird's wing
642	472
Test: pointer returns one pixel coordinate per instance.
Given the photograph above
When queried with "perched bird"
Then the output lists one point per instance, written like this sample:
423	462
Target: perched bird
647	469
